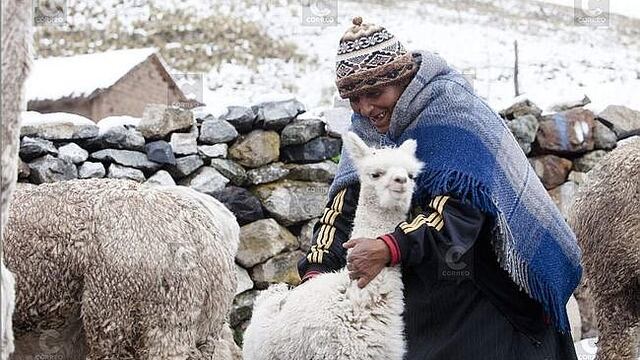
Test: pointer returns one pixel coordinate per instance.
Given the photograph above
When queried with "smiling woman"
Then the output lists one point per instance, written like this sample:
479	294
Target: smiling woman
377	104
473	288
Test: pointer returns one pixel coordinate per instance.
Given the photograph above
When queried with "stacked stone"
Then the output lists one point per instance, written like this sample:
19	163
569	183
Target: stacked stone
563	146
270	165
267	164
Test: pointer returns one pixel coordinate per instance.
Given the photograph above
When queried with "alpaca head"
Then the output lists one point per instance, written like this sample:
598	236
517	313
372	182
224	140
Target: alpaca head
389	173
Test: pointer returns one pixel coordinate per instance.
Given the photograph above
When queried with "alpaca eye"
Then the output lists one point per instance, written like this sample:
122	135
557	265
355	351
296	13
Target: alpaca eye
377	174
412	176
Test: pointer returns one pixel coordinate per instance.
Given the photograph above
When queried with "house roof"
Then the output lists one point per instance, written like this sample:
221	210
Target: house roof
81	75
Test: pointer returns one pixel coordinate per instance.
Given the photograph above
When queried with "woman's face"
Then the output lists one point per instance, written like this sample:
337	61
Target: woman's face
377	105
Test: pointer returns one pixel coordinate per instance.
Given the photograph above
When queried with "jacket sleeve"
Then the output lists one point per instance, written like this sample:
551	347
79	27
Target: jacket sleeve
330	232
448	227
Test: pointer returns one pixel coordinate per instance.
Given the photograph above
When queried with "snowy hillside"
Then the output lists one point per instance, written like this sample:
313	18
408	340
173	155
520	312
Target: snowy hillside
559	61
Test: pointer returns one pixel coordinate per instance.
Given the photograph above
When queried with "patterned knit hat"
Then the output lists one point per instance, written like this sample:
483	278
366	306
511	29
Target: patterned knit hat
370	57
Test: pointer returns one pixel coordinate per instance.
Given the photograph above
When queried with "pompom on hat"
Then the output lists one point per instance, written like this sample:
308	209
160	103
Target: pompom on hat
370	57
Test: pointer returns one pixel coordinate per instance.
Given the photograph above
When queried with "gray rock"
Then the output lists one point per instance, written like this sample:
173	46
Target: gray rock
279	269
73	153
119	137
323	171
128	158
628	140
213	151
620	119
202	114
91	170
60	131
159	121
230	170
31	148
242	203
306	234
567	133
262	239
116	171
563	196
184	143
48	169
23	170
244	280
255	149
217	131
301	131
604	138
275	115
240	117
161	152
577	177
318	149
566	105
588	160
161	177
552	170
267	173
185	166
521	108
242	307
291	202
206	180
524	129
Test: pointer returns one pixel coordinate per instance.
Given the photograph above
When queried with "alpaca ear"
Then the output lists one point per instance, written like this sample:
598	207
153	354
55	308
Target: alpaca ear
355	146
409	146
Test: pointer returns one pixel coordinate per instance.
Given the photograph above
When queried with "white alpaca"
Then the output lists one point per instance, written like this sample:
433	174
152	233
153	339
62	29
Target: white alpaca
329	317
113	269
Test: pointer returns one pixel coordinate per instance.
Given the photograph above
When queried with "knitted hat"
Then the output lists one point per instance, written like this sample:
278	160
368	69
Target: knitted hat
370	57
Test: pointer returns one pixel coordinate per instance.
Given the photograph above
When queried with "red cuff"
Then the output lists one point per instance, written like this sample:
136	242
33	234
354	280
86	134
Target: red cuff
392	244
310	275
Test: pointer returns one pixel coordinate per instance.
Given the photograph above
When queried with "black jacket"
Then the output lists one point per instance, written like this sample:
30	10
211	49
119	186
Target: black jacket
459	303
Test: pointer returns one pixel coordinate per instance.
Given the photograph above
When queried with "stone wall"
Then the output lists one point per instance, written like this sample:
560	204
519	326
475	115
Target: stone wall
271	165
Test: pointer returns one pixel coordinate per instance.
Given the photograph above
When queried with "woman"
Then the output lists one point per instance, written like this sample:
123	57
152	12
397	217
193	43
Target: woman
487	260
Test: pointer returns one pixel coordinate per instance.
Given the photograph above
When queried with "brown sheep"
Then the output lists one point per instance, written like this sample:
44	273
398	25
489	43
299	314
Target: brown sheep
113	269
606	219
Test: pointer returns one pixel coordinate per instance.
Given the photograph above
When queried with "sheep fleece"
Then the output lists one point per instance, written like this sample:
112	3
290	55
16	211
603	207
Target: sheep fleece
606	219
148	271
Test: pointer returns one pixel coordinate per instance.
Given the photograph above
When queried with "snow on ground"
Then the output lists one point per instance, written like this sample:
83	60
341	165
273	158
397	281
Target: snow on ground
74	76
558	60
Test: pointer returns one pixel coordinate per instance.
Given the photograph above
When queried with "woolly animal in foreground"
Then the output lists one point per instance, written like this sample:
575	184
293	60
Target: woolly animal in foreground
329	317
17	31
131	271
606	219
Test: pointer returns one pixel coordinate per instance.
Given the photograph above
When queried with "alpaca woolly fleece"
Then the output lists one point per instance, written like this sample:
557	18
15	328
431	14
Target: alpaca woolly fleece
606	219
329	317
133	271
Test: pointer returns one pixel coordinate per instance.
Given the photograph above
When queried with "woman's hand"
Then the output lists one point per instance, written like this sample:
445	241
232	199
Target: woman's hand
367	258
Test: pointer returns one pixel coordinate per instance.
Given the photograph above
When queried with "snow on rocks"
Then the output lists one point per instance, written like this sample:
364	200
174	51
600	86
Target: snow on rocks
57	126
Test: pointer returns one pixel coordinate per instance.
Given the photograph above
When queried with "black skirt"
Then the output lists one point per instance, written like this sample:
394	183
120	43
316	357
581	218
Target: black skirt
474	311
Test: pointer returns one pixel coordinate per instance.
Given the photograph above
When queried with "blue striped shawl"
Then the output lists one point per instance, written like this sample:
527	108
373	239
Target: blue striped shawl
470	154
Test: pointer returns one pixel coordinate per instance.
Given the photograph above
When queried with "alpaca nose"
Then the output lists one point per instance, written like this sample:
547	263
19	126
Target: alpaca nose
400	179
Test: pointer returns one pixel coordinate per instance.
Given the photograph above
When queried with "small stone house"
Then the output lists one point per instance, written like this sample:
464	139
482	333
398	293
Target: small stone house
118	82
